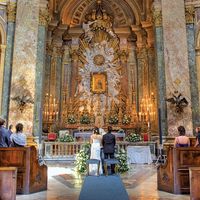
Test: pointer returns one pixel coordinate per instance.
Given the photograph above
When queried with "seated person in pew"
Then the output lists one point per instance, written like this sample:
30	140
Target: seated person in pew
18	139
182	140
4	135
197	144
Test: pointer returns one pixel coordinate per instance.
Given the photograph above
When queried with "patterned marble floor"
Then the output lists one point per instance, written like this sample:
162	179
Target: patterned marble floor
65	184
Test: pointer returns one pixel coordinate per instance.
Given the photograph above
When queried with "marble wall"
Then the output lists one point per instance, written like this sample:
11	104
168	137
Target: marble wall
24	64
176	62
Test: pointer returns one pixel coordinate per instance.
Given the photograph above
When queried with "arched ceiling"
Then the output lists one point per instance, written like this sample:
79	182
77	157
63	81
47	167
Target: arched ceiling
124	12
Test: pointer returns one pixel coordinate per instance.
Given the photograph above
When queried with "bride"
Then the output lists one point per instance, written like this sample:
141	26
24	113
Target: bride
95	141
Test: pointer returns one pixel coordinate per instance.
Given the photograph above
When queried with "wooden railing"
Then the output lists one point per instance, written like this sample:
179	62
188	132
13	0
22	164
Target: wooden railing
68	150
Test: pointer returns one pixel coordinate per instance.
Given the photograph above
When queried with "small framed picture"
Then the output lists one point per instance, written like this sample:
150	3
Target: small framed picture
98	83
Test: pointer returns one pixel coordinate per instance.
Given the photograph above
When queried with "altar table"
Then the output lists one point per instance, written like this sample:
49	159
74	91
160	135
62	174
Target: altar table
139	154
87	134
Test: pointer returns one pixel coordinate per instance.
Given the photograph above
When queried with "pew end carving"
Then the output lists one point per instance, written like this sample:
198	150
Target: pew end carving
30	176
173	176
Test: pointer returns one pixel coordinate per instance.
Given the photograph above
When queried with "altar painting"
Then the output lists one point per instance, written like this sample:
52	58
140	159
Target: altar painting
98	83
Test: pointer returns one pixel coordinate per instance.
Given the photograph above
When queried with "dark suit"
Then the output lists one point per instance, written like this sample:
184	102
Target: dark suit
4	137
108	143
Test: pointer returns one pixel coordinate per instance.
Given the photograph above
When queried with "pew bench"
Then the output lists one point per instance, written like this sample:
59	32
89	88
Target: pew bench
31	177
173	176
194	183
8	176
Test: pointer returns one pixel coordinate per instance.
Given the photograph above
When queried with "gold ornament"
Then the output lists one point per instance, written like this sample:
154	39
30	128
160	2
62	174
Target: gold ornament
157	18
99	60
189	15
44	17
11	11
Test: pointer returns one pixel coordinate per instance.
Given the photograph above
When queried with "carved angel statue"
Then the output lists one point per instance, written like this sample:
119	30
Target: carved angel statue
178	101
87	29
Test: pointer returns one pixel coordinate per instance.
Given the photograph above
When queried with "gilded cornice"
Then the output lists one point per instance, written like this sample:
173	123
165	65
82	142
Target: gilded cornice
44	17
157	18
189	14
11	11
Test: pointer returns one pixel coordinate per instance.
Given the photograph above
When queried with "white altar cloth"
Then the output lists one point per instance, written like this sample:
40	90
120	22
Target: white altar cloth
139	154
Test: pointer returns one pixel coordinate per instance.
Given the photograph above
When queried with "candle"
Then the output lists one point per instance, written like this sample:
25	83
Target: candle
160	126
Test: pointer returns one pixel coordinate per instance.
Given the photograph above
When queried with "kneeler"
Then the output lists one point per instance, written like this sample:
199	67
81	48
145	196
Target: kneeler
93	161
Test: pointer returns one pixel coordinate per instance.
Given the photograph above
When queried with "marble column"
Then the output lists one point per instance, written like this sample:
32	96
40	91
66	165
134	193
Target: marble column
192	65
2	50
40	63
11	11
159	51
176	63
23	79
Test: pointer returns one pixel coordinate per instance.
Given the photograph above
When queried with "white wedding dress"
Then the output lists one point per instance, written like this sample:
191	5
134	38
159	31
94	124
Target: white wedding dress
95	154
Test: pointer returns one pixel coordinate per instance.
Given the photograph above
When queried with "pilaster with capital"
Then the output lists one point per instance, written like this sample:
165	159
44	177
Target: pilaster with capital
189	16
159	51
2	53
11	17
24	64
176	40
40	66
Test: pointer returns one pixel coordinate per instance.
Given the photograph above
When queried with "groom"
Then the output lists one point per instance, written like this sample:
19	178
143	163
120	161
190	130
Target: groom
108	143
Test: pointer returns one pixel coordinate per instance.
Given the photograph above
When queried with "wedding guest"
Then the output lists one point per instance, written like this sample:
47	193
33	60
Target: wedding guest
18	139
10	131
182	140
197	144
4	135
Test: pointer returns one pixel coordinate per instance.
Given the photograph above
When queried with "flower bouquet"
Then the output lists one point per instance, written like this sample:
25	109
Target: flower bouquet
123	161
133	137
85	119
126	119
81	158
66	138
71	119
113	119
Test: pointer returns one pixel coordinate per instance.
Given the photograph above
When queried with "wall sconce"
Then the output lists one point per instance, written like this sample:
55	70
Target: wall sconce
23	99
178	101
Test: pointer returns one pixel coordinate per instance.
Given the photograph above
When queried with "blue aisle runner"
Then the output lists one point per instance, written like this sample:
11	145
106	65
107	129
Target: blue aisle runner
103	188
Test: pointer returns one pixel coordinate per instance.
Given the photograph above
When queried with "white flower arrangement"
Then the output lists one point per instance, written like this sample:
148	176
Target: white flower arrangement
133	137
66	138
71	119
126	119
113	119
85	119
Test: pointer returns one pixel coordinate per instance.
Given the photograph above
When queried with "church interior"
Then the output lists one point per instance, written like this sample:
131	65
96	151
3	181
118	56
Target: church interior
69	66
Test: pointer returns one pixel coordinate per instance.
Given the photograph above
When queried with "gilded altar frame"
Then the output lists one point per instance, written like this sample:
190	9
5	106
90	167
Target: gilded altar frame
98	82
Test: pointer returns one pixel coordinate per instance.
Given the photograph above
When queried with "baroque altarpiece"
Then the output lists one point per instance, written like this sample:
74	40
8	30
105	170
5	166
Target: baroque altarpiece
100	76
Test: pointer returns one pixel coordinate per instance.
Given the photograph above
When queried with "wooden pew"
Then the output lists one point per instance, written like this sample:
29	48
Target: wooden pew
194	183
30	176
173	176
8	176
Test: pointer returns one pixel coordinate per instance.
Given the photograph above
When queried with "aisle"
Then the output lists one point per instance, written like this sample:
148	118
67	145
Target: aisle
64	184
103	187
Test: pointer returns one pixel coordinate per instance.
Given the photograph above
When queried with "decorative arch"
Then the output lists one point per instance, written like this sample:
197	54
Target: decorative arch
2	32
73	12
